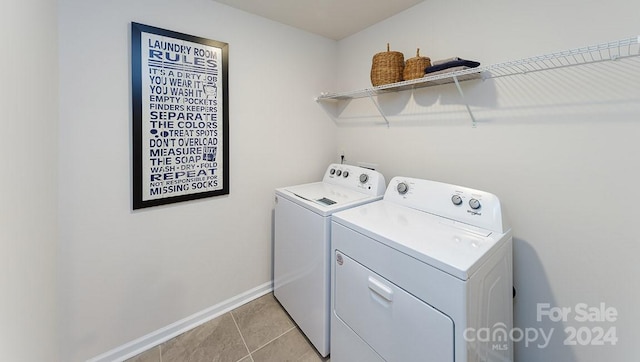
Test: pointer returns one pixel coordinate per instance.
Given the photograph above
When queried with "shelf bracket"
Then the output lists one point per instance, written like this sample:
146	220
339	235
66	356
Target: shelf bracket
473	119
324	107
375	103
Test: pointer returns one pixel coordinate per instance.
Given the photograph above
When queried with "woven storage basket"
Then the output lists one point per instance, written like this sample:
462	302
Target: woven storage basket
387	67
414	67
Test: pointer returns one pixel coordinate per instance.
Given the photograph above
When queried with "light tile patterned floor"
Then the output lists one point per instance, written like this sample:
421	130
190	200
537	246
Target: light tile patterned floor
259	331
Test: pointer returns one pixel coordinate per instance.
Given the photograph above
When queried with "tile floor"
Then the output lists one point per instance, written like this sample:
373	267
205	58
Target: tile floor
259	331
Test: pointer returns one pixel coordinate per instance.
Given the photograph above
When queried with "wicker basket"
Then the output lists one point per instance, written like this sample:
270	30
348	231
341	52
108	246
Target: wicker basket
414	67
387	67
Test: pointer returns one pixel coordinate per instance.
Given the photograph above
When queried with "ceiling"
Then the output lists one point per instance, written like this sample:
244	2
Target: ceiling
334	19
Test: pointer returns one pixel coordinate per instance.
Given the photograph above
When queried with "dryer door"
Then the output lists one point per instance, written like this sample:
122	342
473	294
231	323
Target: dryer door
397	325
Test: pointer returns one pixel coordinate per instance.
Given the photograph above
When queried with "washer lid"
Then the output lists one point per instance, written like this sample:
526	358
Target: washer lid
325	198
453	247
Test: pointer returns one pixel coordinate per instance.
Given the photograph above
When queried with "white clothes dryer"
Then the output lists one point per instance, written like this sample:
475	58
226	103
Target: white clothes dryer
423	275
302	243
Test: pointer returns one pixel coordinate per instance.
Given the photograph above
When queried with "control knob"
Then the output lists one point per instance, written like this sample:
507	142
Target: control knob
332	171
456	199
364	178
345	174
402	188
474	204
338	173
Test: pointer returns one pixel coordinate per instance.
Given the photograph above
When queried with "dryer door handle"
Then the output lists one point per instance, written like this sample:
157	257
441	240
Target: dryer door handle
379	288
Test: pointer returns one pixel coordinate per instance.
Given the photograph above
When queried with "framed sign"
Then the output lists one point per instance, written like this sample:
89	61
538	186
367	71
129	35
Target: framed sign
180	116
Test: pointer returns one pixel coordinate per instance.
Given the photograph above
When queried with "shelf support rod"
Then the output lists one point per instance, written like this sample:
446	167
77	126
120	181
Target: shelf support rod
473	119
378	107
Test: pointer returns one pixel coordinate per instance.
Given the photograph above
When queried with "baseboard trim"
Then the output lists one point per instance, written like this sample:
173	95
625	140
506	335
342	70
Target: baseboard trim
164	334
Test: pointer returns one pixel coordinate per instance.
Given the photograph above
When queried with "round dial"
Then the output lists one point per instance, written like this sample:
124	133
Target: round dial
345	174
338	173
456	199
332	171
474	204
402	188
364	178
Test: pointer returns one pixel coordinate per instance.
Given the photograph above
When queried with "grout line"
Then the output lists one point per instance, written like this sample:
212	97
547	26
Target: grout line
283	333
241	336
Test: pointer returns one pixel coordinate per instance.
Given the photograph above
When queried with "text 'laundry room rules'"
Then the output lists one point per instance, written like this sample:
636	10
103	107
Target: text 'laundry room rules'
181	127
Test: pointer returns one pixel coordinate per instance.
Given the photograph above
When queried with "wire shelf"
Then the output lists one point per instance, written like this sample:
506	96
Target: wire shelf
615	50
624	48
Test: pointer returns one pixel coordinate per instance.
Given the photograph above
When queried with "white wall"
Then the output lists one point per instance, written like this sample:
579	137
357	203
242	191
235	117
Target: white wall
125	274
28	223
559	148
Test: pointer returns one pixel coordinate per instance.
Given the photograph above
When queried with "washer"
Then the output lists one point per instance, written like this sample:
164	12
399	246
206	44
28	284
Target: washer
302	243
423	275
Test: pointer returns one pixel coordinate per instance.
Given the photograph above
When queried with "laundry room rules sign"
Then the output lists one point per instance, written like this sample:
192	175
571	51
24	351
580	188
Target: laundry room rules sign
180	116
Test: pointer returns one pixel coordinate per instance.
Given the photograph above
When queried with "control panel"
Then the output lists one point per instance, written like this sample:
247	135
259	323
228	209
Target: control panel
457	203
361	179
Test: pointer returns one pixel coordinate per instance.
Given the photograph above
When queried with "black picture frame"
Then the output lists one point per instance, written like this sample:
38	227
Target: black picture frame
180	116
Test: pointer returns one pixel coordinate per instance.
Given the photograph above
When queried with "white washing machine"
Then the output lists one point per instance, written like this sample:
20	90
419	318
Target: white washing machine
302	243
423	275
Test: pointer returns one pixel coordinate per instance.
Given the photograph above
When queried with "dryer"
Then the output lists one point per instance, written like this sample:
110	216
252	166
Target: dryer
302	243
425	274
